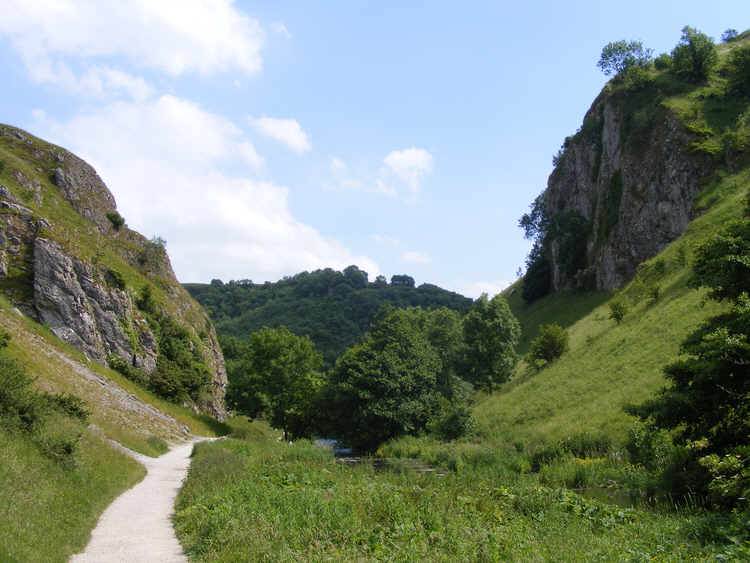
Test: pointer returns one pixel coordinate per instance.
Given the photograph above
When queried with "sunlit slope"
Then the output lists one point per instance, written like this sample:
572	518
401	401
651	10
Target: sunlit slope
609	366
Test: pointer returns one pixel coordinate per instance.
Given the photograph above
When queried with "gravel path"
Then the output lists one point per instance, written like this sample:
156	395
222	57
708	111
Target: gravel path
137	526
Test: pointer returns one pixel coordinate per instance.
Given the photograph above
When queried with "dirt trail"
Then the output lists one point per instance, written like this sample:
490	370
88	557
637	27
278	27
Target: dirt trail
137	526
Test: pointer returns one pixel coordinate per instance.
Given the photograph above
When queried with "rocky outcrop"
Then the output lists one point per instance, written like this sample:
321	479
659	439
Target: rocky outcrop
84	189
76	303
629	175
69	274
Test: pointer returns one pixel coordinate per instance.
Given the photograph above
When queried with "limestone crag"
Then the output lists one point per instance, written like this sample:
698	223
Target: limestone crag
80	308
631	176
68	273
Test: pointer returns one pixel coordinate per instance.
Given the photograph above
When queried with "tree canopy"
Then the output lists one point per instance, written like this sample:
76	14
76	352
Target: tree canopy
619	56
333	308
277	373
385	386
695	55
491	334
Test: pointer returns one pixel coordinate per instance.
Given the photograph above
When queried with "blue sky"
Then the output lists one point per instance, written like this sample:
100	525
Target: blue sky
261	139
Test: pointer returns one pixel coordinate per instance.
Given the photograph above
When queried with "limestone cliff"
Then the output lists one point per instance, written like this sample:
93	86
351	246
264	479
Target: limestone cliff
67	260
622	189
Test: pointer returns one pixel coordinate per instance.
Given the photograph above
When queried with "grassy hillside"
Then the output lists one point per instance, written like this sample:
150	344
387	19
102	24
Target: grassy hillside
609	365
49	506
49	509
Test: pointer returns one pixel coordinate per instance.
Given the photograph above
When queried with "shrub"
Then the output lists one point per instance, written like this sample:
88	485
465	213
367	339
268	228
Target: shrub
695	55
729	35
739	71
618	309
116	219
54	422
654	291
452	421
550	344
663	62
115	279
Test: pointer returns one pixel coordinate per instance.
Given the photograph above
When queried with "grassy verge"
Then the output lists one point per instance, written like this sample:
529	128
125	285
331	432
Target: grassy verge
43	353
48	509
256	499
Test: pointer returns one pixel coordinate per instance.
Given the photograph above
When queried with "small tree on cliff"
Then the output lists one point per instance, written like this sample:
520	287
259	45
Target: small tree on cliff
619	56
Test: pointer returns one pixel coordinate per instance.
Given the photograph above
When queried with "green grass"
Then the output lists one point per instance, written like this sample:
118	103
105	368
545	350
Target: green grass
608	365
257	499
48	509
134	430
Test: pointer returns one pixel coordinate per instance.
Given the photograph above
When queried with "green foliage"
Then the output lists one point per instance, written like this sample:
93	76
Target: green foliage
115	279
550	344
491	334
2	166
738	66
620	56
663	62
278	374
181	371
537	281
333	308
695	55
55	423
729	35
618	308
708	401
255	499
116	219
385	386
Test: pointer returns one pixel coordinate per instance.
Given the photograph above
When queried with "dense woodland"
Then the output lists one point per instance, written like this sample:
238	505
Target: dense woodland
333	308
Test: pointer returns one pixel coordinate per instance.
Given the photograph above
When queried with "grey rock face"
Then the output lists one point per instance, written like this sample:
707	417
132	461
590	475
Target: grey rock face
84	189
635	189
80	309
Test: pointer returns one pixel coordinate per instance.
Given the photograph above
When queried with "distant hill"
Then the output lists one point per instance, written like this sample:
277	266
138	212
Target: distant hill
333	308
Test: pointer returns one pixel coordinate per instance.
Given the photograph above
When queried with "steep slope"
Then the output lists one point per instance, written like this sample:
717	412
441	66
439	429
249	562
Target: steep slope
624	185
654	170
68	260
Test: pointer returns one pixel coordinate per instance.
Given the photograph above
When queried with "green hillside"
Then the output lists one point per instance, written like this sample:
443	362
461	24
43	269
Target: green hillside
333	308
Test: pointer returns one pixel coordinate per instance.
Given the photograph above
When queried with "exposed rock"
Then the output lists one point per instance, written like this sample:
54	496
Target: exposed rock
635	190
84	189
59	282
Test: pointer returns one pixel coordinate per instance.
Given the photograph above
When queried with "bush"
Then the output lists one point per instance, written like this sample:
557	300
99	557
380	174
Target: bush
695	55
663	62
729	35
739	71
452	421
617	310
116	219
54	422
115	279
550	344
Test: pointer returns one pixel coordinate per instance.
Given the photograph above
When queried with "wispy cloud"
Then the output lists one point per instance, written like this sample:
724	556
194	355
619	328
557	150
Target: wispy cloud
286	131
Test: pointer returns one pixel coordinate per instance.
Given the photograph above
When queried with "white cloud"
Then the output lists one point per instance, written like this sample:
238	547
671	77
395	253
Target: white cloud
410	166
172	36
413	257
286	131
281	29
163	159
401	177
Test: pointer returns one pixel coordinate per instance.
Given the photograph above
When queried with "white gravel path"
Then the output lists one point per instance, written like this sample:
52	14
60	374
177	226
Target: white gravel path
137	526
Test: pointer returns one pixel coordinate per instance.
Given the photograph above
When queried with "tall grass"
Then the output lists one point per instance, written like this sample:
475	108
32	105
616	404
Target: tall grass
257	499
48	509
